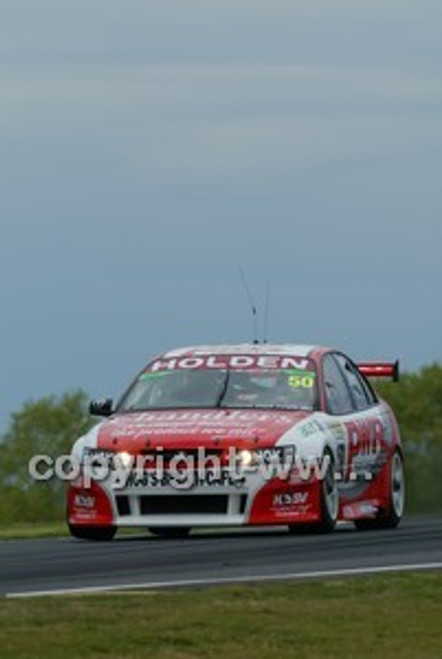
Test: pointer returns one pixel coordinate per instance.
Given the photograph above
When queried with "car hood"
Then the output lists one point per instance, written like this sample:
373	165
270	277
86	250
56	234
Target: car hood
134	432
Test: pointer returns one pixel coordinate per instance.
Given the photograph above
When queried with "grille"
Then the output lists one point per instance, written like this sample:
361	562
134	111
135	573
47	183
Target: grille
186	504
123	505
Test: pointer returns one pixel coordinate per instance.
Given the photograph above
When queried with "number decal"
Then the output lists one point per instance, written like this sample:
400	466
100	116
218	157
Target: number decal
304	380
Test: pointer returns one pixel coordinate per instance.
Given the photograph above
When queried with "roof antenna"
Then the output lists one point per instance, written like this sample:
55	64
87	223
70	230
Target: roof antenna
252	304
266	313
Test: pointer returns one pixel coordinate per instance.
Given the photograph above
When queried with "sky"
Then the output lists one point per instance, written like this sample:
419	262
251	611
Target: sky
150	149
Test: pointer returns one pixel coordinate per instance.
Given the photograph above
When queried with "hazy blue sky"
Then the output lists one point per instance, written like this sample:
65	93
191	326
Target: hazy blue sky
150	148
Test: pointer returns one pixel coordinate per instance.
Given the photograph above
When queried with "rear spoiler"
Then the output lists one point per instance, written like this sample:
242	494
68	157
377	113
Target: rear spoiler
380	370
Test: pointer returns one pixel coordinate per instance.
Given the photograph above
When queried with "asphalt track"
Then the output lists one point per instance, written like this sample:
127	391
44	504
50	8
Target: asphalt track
64	564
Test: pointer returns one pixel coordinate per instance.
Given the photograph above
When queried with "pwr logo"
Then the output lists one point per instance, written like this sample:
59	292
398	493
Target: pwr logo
365	441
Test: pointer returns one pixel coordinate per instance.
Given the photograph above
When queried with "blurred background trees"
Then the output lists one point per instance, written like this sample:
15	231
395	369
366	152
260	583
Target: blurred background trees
47	426
417	402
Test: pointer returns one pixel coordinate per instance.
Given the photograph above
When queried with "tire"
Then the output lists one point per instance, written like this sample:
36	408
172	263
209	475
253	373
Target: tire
170	531
329	502
97	533
390	518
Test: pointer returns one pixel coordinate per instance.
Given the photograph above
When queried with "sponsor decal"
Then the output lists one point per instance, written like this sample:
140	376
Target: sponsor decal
184	480
211	423
291	503
387	426
232	362
289	499
274	454
339	432
365	436
365	439
84	501
362	509
310	428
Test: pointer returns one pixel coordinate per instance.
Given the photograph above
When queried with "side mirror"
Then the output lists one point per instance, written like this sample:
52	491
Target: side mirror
101	407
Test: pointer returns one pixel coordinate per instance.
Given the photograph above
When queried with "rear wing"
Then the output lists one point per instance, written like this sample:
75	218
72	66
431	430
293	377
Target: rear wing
380	370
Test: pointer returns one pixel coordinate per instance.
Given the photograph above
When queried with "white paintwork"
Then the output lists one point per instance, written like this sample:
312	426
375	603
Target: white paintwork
298	350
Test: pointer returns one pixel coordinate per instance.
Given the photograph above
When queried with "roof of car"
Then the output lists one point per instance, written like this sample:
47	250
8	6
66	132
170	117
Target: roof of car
300	350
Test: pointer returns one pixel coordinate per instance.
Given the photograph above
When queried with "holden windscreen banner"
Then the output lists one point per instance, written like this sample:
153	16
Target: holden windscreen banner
232	362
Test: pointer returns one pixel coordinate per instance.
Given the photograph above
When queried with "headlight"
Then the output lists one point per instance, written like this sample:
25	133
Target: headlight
123	459
246	458
106	457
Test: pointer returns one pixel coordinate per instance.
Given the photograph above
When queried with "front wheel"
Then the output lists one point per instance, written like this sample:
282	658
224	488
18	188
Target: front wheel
98	533
329	500
391	517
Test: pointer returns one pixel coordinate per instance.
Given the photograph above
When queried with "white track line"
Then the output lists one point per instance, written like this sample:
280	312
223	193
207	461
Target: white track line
153	585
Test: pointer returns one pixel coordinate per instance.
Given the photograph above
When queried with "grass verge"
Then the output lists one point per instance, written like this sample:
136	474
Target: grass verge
394	616
32	531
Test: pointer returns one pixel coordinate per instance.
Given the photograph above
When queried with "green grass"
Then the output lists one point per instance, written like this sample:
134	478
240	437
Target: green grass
31	531
389	616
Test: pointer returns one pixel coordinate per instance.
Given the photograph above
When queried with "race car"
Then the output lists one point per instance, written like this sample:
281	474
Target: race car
241	435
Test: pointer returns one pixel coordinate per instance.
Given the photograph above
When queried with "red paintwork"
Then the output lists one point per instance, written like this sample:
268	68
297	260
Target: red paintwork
280	502
133	432
380	369
98	514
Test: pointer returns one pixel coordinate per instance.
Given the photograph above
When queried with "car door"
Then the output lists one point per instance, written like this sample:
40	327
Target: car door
357	426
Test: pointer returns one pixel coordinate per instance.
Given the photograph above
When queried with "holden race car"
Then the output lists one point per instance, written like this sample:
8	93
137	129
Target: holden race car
241	435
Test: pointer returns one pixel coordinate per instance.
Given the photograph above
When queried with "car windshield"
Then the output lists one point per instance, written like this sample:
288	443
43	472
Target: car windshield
222	388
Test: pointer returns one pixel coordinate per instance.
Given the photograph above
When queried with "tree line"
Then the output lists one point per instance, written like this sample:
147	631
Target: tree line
51	424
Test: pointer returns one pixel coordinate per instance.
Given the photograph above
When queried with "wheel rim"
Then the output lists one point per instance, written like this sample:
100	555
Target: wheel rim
397	485
331	494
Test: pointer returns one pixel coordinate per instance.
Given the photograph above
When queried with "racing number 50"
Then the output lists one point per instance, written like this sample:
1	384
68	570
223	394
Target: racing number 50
301	381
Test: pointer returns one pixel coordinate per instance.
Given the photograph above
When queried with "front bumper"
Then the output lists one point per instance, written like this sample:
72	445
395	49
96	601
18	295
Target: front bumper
254	502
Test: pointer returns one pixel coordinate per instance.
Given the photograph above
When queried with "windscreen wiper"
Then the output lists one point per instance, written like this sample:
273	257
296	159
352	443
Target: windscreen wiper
223	391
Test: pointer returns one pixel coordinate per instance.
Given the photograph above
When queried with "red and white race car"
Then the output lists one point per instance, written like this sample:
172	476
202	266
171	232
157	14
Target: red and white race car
240	435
